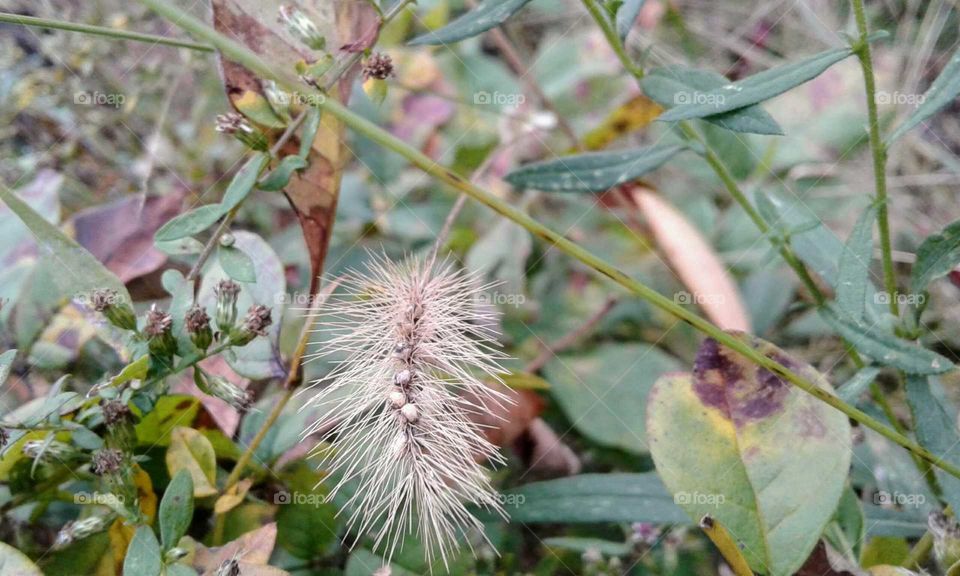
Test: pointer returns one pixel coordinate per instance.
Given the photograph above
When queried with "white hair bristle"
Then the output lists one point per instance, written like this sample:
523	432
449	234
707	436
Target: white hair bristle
413	347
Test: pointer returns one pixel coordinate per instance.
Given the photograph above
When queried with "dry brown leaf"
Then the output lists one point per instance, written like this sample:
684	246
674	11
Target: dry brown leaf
253	547
694	261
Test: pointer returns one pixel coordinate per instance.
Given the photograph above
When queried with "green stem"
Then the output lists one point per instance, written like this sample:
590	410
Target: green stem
879	149
612	37
100	31
364	127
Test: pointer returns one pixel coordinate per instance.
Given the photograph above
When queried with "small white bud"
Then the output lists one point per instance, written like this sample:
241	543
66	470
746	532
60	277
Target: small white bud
397	398
402	378
410	413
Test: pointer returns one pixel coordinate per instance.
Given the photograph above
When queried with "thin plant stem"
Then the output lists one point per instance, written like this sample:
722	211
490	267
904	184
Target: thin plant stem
612	38
100	31
879	150
366	128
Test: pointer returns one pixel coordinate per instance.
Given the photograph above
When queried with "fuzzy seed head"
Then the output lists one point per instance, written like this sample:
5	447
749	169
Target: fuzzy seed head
378	66
258	320
115	412
106	461
158	322
412	351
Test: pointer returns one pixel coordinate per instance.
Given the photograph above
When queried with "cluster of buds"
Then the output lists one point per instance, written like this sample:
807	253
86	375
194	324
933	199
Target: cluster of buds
220	387
301	27
378	66
114	309
158	330
106	462
258	319
115	413
238	127
80	529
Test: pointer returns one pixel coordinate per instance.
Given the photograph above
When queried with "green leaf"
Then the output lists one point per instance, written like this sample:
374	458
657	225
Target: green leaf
306	522
236	264
143	555
941	93
675	84
6	363
363	562
171	411
191	451
894	523
15	563
852	389
936	257
934	420
604	392
854	267
77	271
278	179
766	459
488	14
847	530
184	570
243	182
181	247
189	223
626	16
757	88
594	171
584	545
136	370
594	498
885	348
176	509
308	134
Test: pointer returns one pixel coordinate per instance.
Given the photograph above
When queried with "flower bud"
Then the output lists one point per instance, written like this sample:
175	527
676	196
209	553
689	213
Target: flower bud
378	66
410	413
116	311
237	126
255	324
301	27
397	398
279	100
220	387
227	292
115	413
78	530
106	461
197	324
158	332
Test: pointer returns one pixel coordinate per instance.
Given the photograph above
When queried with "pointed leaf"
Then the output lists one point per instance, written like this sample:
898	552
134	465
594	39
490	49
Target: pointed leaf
854	267
236	264
191	451
883	347
243	182
6	362
934	420
765	459
592	172
676	84
488	14
627	15
936	257
78	271
756	88
941	93
852	389
176	509
143	554
280	176
189	223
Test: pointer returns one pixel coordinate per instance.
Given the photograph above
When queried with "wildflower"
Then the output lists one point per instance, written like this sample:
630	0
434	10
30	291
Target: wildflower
300	26
378	66
227	292
158	332
238	127
255	324
116	311
399	407
115	413
79	529
197	323
106	461
220	387
645	533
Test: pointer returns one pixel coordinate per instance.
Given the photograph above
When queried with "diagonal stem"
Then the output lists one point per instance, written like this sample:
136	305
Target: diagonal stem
100	31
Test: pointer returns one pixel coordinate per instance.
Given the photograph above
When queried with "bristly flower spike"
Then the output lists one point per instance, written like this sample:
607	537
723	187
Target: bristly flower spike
413	346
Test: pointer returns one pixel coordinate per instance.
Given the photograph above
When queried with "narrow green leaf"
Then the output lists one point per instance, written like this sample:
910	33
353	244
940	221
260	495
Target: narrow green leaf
584	545
885	348
280	176
243	182
941	93
6	362
143	554
181	247
311	125
756	88
936	257
488	14
189	223
678	85
236	264
852	389
176	509
78	271
592	172
595	498
854	267
895	523
626	16
934	421
763	458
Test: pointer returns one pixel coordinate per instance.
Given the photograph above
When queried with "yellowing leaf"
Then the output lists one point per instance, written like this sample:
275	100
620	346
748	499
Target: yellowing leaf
145	494
233	497
190	450
634	114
